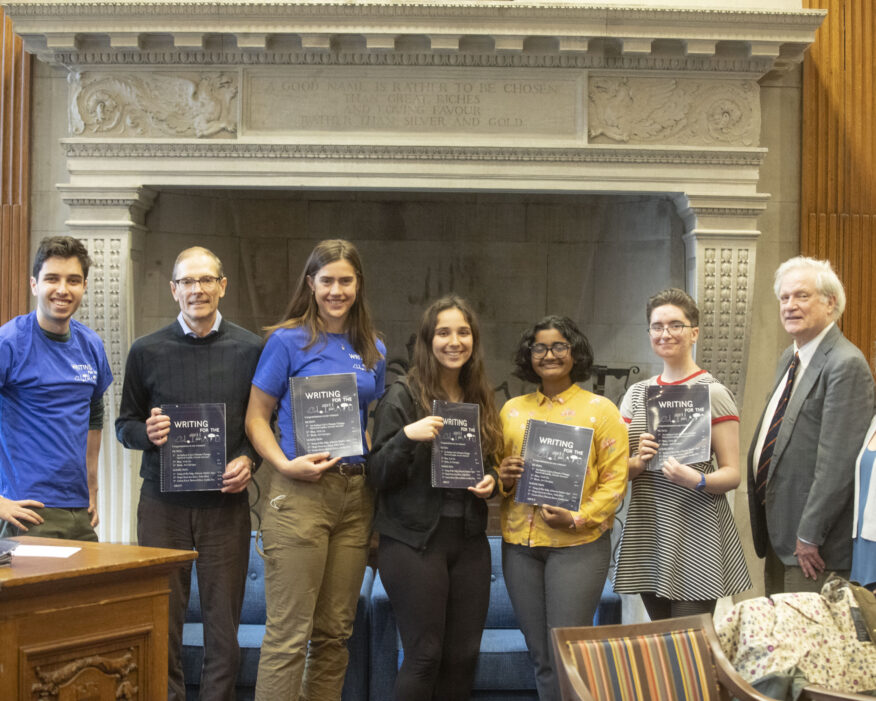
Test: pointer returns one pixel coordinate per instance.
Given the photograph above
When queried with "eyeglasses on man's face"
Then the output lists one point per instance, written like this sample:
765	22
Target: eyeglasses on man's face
559	349
206	283
675	329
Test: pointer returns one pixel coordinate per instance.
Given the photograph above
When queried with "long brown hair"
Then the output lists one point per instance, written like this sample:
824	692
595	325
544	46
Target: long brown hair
424	377
302	309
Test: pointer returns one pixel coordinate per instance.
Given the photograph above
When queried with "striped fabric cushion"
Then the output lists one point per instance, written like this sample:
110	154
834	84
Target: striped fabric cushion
662	667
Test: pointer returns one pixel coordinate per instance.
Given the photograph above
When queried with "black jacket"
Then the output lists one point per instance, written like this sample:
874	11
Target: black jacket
408	507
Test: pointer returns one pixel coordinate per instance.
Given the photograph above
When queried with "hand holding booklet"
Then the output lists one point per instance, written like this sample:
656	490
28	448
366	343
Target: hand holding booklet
325	415
555	458
680	419
456	451
193	457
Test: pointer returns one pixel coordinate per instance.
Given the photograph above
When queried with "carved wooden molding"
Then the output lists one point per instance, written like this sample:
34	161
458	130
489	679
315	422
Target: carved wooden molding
51	682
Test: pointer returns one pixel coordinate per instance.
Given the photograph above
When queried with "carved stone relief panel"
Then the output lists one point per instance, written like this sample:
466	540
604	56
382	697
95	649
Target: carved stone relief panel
140	104
669	111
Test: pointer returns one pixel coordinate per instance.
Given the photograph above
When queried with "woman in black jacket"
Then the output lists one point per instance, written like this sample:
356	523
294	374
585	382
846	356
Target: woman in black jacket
433	556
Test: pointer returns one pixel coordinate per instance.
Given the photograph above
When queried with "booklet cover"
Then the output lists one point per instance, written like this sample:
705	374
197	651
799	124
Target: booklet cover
325	414
680	419
457	460
193	458
554	464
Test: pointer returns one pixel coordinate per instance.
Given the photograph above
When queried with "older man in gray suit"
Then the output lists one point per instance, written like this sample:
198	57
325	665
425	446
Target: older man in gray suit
801	481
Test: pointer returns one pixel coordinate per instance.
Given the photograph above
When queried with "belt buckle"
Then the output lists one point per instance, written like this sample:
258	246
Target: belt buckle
350	469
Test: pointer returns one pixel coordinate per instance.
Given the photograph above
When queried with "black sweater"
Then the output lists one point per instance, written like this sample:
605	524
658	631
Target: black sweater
408	506
168	367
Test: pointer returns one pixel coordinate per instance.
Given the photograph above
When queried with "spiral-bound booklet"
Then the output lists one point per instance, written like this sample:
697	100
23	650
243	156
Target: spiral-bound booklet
325	414
554	464
456	452
680	419
193	458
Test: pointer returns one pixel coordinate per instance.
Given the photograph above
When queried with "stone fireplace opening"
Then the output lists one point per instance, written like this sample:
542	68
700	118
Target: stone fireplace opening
516	257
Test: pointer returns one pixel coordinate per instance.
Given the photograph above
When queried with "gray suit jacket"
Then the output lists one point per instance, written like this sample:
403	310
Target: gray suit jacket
811	479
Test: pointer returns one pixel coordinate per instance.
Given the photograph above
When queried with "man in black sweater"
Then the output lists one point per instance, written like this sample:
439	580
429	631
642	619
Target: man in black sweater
199	358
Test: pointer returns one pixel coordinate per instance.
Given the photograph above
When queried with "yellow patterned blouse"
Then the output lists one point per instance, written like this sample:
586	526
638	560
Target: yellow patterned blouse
604	484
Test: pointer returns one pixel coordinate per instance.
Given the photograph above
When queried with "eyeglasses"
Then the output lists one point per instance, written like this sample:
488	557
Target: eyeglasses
559	349
208	282
675	329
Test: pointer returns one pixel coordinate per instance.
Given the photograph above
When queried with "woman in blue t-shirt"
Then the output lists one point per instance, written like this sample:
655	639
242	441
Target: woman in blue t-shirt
317	519
434	558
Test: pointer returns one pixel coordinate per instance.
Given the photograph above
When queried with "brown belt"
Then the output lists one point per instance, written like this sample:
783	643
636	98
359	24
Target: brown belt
348	469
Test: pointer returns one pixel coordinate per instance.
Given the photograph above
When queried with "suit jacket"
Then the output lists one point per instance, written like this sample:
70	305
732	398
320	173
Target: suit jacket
811	478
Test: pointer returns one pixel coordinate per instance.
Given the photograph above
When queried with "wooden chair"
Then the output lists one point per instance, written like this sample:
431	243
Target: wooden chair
672	660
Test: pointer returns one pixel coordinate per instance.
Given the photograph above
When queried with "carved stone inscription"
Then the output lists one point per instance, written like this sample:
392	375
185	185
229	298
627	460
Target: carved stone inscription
441	101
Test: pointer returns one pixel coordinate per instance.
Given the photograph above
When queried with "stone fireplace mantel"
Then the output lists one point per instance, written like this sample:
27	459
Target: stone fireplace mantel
457	95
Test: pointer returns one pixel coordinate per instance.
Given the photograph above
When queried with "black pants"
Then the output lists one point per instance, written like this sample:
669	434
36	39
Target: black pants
221	537
440	598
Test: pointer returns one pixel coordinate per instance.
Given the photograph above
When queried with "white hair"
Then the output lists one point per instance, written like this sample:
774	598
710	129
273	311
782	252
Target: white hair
827	283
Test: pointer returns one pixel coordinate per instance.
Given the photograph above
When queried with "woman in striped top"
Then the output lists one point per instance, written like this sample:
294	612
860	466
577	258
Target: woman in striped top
680	549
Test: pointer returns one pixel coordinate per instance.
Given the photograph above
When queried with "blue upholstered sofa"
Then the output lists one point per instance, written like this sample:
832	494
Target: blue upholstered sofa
252	629
504	672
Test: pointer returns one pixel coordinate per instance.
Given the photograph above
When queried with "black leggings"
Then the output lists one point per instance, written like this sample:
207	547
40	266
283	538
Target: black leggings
440	597
659	608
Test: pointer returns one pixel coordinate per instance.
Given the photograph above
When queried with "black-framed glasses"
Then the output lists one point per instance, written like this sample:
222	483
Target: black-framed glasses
675	329
559	349
207	282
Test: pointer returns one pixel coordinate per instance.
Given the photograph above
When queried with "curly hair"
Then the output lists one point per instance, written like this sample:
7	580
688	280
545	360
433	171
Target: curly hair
61	247
582	353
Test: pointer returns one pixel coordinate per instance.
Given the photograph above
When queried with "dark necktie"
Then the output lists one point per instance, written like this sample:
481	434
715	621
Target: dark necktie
766	455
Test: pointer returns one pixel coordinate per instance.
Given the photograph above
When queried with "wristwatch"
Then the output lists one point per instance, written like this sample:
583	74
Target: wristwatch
701	485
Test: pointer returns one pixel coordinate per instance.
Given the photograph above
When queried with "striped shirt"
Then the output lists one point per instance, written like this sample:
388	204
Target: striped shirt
679	543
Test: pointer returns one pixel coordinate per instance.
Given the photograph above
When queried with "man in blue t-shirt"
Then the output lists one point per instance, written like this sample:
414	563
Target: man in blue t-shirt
53	373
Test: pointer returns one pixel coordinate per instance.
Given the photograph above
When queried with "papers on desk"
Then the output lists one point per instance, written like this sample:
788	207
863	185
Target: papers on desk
44	551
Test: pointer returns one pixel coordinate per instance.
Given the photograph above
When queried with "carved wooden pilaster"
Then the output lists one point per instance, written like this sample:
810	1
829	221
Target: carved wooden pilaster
15	179
110	221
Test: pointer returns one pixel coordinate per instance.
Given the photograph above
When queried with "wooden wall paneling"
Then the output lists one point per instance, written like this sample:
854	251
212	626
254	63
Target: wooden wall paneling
15	102
838	200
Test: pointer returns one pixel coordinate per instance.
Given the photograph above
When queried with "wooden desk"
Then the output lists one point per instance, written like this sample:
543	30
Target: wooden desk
91	626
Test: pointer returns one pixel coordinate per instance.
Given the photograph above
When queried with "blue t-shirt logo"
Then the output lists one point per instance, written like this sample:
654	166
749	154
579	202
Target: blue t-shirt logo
84	373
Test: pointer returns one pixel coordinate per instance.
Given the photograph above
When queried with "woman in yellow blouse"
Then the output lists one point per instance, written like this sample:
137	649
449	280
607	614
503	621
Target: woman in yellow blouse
555	561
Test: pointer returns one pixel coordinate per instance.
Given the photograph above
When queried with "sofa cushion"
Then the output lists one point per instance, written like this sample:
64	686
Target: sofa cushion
504	661
500	614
